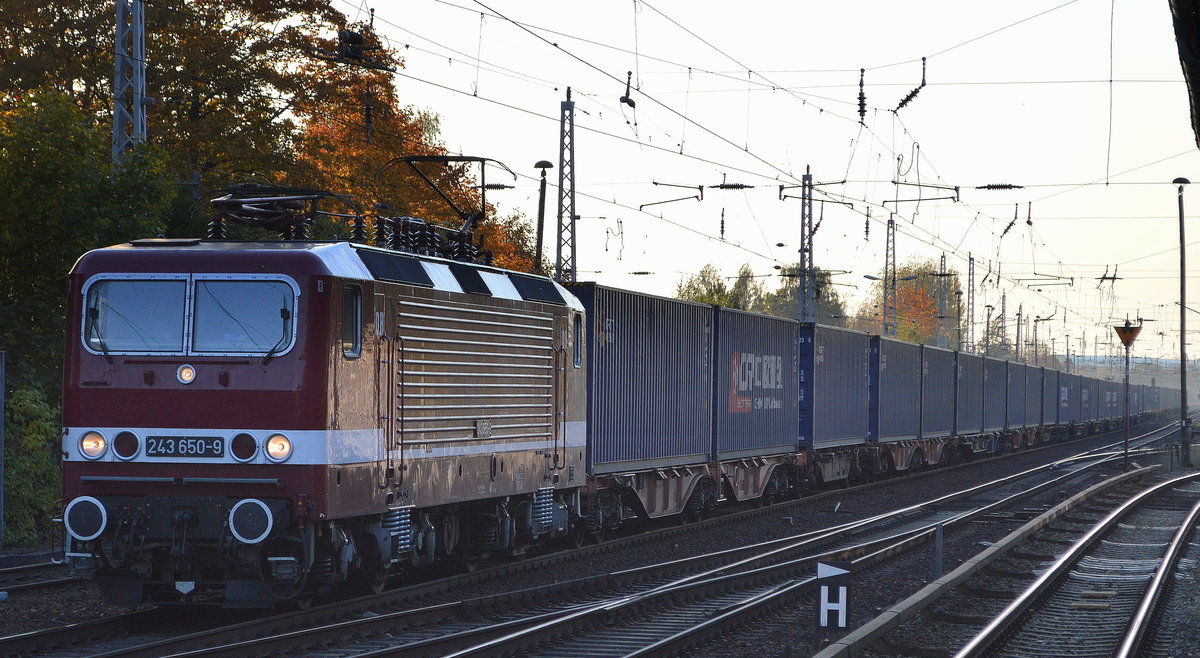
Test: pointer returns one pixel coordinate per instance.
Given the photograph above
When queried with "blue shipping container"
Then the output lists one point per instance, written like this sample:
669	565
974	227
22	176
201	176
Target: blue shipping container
995	394
1068	400
1016	396
1089	396
834	381
895	389
755	401
649	380
1049	396
970	394
1033	396
937	392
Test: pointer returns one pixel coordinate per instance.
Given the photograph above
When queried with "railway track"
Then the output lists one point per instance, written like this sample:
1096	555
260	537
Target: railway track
34	576
1090	598
159	632
610	612
1084	566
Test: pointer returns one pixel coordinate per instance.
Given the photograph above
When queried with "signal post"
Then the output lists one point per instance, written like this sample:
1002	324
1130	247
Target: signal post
1127	333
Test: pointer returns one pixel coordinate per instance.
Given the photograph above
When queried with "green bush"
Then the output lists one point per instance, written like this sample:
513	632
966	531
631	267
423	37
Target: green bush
32	477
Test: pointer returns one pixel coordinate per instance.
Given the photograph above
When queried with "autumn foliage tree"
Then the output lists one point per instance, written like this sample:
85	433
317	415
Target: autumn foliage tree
245	91
917	294
237	91
356	133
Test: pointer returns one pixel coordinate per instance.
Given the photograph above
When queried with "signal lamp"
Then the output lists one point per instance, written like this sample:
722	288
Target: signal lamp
278	448
126	445
186	374
243	447
92	445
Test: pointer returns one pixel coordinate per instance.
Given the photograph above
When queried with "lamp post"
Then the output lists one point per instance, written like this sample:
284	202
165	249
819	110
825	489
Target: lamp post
541	222
1127	334
1183	395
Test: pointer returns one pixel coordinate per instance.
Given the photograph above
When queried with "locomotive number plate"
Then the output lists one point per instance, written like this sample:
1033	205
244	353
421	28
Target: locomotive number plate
185	446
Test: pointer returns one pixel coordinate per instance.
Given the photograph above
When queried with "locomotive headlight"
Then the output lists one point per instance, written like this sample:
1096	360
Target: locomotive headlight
185	374
278	447
92	445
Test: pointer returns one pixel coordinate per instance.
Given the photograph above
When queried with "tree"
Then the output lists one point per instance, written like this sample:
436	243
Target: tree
244	91
222	76
749	292
706	287
355	131
995	342
59	197
917	301
829	308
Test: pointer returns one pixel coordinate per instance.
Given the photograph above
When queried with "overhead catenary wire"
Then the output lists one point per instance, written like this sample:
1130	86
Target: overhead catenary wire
732	168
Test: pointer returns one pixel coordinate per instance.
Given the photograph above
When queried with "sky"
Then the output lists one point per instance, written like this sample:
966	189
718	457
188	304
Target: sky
1080	102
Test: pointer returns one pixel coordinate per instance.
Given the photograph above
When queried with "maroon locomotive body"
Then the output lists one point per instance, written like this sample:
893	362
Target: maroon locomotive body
256	421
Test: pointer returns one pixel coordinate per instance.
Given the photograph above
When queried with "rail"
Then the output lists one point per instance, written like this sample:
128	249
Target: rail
985	638
1135	632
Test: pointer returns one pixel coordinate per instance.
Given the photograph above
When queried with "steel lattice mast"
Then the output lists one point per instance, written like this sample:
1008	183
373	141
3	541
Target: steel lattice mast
806	311
889	280
943	332
129	78
565	265
971	303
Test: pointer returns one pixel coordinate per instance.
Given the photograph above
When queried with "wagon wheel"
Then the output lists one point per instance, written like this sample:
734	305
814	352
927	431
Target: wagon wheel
768	496
693	511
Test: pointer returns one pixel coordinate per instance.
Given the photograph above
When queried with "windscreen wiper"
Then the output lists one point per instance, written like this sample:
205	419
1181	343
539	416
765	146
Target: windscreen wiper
270	355
93	328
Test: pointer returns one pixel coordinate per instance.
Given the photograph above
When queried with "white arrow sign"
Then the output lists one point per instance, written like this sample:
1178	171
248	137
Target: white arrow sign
829	571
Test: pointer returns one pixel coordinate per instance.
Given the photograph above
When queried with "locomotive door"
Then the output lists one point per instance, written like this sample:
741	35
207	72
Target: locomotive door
387	378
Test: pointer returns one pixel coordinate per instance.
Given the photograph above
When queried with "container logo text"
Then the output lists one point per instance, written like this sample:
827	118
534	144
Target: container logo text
755	379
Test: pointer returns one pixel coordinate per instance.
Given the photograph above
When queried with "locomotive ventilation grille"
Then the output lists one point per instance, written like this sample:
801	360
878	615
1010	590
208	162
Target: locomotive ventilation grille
471	372
398	524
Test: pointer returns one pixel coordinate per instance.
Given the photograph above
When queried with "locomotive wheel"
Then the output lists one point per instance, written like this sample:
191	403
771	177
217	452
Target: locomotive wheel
578	535
373	581
474	562
303	601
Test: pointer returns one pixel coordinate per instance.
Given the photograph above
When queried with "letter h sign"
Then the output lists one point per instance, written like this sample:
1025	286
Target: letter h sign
835	597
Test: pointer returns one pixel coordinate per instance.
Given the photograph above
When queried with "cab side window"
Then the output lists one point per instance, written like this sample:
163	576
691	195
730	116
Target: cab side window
577	331
351	322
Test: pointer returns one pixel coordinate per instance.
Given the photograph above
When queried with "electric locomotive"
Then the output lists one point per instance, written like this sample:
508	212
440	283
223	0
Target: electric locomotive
250	422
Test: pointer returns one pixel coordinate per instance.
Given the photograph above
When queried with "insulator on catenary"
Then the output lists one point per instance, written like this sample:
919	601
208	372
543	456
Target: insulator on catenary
862	97
1000	186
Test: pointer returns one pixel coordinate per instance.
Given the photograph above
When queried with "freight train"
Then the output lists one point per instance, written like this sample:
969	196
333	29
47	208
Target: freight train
249	422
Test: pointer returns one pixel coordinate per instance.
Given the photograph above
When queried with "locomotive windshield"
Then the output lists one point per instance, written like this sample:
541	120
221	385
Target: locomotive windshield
135	316
182	316
242	316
